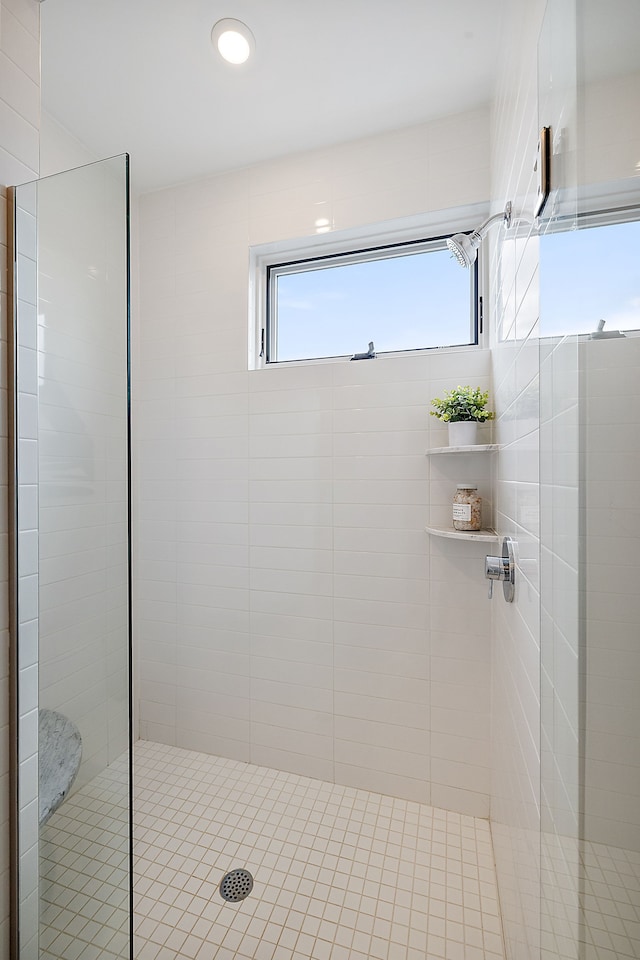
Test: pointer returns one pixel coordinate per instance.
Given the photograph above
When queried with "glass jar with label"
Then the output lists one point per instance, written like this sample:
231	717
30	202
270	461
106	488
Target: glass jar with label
467	508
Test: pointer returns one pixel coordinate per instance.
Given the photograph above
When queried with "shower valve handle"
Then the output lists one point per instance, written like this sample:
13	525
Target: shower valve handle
496	568
502	568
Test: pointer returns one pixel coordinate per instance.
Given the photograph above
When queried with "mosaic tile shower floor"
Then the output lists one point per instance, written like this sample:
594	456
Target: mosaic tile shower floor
84	872
340	873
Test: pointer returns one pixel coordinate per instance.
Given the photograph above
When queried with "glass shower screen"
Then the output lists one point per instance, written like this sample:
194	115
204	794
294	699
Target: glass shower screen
70	584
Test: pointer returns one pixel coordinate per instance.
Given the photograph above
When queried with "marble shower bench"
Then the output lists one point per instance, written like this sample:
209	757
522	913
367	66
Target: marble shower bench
59	755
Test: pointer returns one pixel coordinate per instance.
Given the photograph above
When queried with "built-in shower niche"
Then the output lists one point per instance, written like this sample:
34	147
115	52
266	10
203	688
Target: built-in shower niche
453	463
70	520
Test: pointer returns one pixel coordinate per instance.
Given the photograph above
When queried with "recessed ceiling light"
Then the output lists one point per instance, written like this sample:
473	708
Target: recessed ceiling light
233	40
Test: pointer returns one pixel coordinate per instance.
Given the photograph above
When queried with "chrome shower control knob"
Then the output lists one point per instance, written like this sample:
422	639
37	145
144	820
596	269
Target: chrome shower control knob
502	568
496	568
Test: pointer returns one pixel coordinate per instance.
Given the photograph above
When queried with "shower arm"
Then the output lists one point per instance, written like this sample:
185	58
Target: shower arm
505	216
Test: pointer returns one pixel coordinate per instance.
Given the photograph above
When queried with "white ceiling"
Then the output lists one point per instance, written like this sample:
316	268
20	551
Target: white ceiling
141	75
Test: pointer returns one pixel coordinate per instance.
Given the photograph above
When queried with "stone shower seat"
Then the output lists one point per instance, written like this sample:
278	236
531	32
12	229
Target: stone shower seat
59	755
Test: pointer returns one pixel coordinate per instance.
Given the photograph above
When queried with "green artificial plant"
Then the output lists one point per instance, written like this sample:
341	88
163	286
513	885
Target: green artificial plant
462	404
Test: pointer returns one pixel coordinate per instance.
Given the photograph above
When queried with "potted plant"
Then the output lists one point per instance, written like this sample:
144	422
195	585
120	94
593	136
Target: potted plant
462	409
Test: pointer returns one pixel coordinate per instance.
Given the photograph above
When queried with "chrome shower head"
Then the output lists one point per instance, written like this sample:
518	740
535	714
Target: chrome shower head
464	246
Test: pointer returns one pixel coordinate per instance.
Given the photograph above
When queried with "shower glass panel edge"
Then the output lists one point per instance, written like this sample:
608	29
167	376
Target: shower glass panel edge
12	585
70	502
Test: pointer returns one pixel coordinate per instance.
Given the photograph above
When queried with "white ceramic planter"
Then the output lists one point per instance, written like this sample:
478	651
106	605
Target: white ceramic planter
464	433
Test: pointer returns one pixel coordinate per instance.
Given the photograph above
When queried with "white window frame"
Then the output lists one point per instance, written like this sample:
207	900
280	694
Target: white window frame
358	245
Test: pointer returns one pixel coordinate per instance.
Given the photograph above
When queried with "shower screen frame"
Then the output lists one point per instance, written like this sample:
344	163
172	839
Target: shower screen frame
23	585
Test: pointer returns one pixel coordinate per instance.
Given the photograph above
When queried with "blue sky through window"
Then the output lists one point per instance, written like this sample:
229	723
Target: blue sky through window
587	275
423	299
400	302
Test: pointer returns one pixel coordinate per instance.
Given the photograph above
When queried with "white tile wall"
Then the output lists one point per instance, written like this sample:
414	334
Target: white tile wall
525	696
284	599
589	786
28	600
612	727
559	503
515	717
19	111
559	634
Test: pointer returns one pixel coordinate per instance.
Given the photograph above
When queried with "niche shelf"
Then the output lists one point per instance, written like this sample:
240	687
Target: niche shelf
472	448
480	536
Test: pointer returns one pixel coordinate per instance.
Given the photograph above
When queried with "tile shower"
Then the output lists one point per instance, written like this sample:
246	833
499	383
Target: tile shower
351	661
293	613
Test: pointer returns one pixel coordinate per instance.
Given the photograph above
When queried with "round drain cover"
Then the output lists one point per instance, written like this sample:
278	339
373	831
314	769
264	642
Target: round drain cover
236	885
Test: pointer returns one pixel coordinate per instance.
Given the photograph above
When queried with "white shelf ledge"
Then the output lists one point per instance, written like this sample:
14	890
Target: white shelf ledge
472	448
481	536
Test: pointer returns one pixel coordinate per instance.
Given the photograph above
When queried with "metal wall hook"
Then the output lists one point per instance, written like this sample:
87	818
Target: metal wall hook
502	568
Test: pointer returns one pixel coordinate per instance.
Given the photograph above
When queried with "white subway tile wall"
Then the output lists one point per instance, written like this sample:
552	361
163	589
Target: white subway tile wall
612	756
19	120
284	591
559	635
515	680
28	573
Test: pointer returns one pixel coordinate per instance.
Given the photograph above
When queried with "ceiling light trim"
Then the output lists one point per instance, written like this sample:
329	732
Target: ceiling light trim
233	41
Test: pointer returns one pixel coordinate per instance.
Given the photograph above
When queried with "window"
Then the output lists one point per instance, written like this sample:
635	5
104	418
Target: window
406	296
589	275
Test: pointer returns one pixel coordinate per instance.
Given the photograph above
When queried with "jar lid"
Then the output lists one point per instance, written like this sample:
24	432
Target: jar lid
467	486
